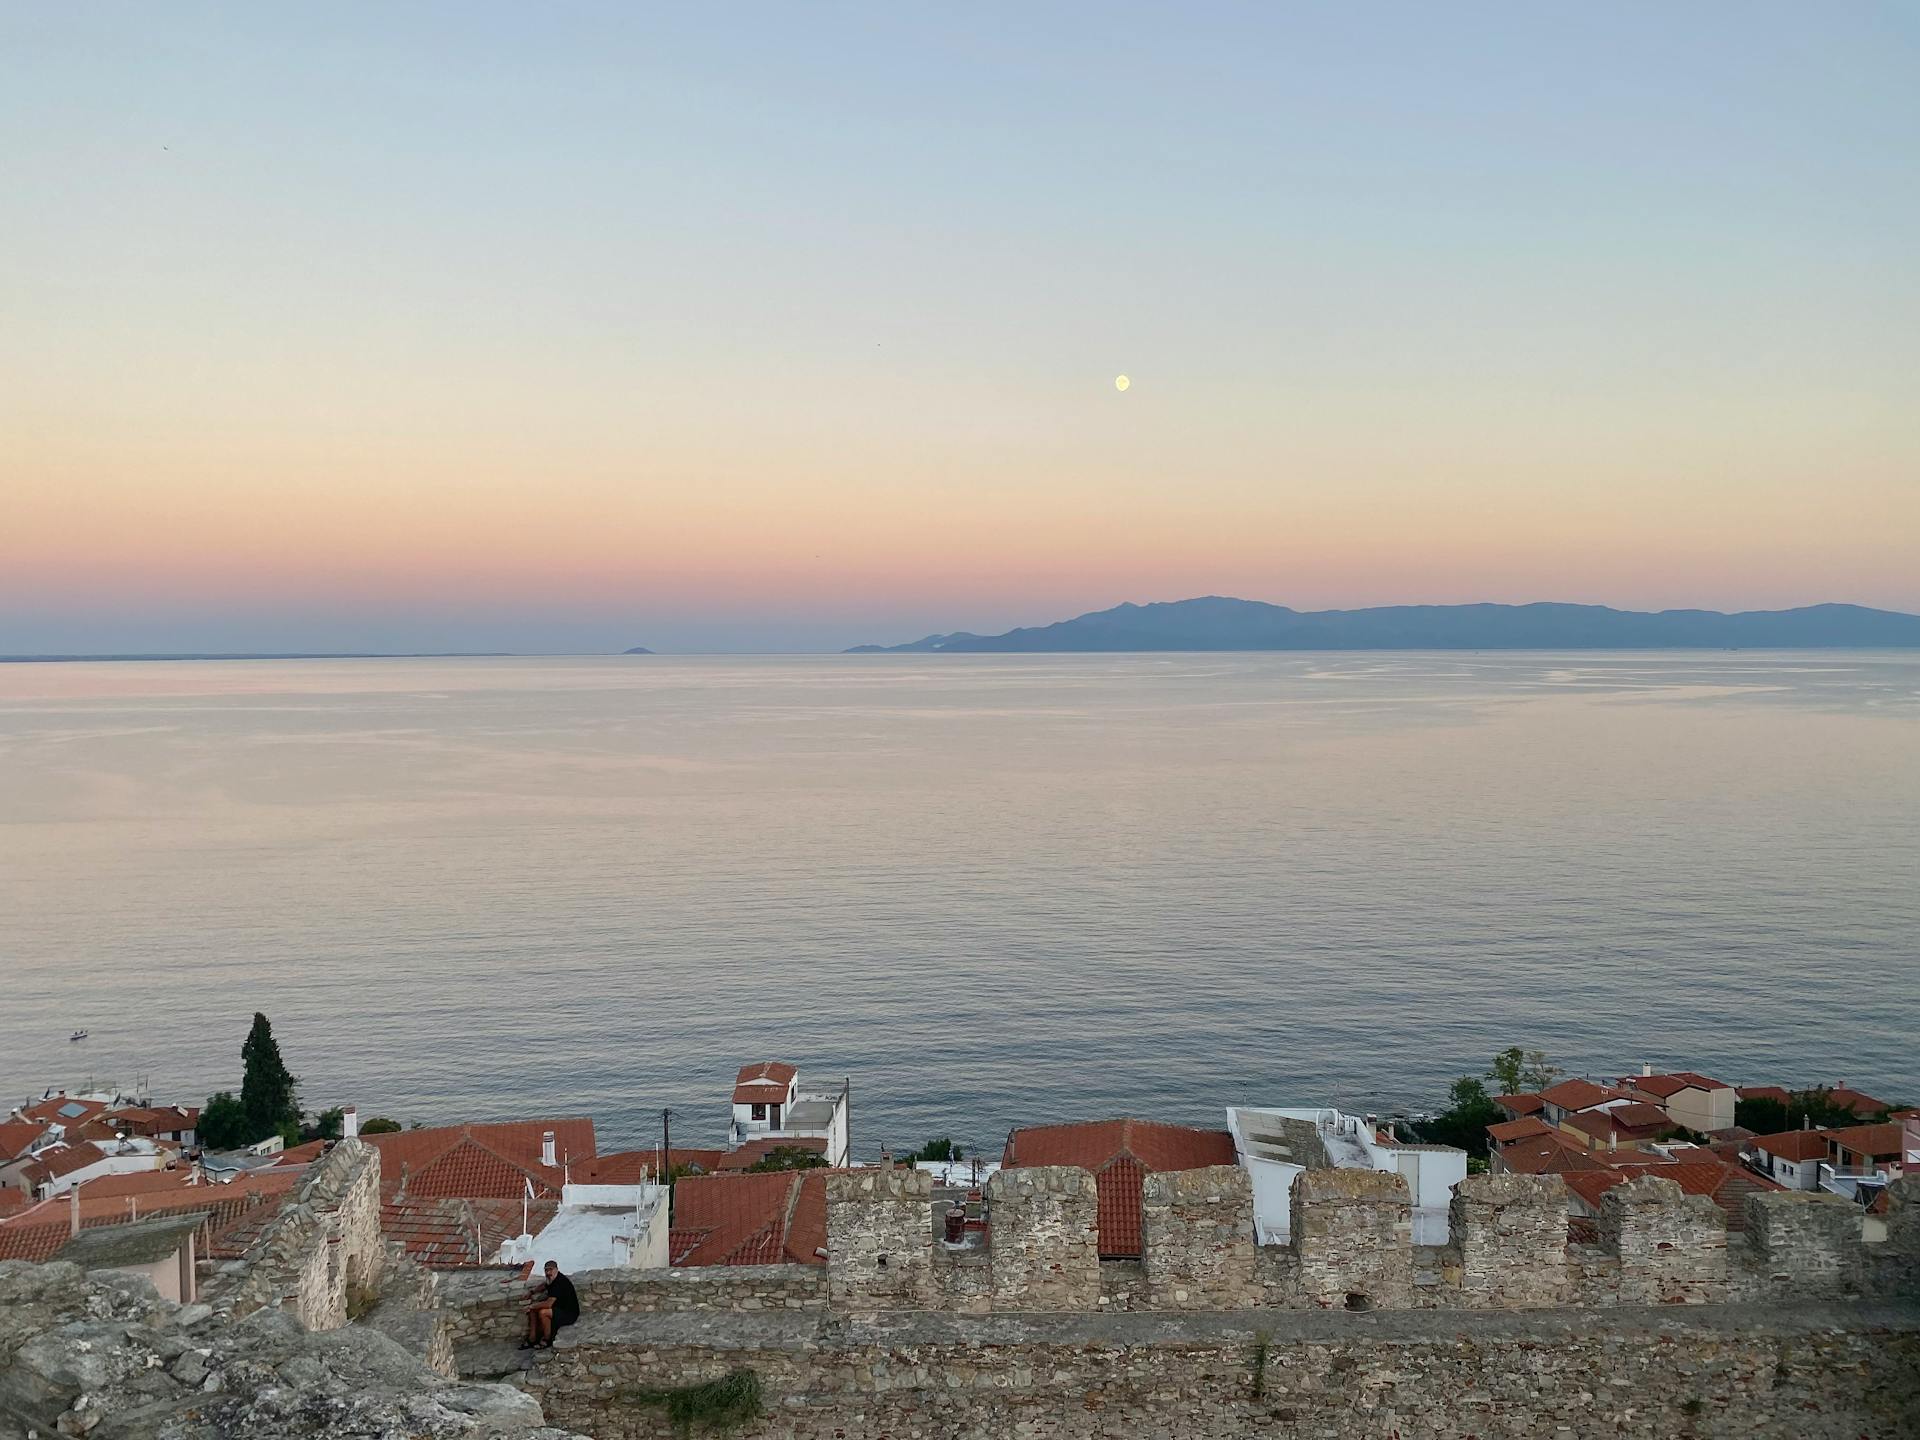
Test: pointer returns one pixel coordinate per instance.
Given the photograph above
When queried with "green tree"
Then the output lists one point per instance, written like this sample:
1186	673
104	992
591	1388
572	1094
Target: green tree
1464	1123
380	1125
941	1148
222	1122
269	1093
1815	1107
327	1125
787	1157
1520	1072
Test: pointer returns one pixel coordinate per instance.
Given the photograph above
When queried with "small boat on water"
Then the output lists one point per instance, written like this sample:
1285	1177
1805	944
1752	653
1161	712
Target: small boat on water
77	1035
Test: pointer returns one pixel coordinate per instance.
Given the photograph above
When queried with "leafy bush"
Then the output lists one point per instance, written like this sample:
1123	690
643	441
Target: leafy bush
724	1404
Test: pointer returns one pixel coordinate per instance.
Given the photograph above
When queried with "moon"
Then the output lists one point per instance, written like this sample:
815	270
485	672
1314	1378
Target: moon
1121	382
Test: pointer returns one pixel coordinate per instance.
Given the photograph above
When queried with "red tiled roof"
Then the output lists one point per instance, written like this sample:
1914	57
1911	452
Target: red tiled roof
1795	1144
141	1182
1550	1154
750	1219
1858	1101
1579	1094
16	1136
1521	1105
1726	1185
1627	1121
66	1159
1507	1131
1119	1153
1672	1083
36	1233
302	1155
450	1234
13	1201
755	1151
629	1167
764	1083
1875	1140
47	1112
479	1162
154	1120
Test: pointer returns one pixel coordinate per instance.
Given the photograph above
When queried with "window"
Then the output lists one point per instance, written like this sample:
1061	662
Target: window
760	1112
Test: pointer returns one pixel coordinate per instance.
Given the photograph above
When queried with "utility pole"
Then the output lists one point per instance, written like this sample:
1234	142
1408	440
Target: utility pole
666	1147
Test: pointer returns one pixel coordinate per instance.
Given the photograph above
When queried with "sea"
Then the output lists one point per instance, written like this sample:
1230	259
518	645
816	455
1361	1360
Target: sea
984	890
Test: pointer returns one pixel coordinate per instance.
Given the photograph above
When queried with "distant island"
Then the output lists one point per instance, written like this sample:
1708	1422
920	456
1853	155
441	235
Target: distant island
637	650
1218	623
264	655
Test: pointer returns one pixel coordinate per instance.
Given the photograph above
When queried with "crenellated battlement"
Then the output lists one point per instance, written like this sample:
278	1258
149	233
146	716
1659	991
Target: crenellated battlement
1351	1246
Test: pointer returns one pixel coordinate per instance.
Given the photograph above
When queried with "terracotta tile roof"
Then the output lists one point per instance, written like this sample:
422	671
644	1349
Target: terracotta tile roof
1875	1140
755	1151
1119	1152
749	1219
154	1120
36	1233
1579	1094
1857	1101
301	1155
66	1159
451	1234
1524	1128
141	1182
629	1167
1550	1154
1521	1105
16	1136
1726	1185
13	1201
480	1162
1672	1083
1794	1144
764	1083
52	1110
1764	1092
1638	1122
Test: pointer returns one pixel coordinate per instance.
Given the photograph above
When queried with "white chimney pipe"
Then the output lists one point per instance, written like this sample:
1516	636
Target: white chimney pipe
1645	1068
73	1211
350	1123
546	1149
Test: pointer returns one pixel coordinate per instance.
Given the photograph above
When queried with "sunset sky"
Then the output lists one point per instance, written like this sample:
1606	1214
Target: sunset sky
752	326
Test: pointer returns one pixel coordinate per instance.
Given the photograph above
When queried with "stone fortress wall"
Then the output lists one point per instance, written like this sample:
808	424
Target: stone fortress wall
1668	1326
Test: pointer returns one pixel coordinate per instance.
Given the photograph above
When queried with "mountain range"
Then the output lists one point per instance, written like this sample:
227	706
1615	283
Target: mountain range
1216	622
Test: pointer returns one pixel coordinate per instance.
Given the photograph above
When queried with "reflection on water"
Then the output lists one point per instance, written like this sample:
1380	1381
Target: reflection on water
990	888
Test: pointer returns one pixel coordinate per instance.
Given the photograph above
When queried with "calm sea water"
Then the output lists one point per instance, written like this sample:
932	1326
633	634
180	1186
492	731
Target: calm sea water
989	889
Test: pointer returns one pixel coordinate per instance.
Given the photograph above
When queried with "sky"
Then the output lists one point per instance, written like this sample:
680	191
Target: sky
789	327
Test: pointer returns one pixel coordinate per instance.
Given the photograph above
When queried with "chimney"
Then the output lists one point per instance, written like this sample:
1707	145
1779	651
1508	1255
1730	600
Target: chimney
73	1211
350	1123
546	1150
1645	1068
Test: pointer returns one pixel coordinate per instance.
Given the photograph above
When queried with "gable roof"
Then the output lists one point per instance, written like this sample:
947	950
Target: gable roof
763	1083
16	1136
1550	1154
1672	1083
452	1234
140	1182
1636	1120
769	1218
1794	1144
64	1110
1858	1101
1875	1140
38	1232
1726	1185
1521	1105
754	1151
1579	1094
1119	1152
479	1162
1507	1131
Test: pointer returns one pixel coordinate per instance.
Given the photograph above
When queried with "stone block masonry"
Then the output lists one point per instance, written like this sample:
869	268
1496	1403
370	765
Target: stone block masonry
1671	1247
1507	1243
879	1239
1802	1243
1818	1372
322	1254
1045	1239
1197	1239
1353	1239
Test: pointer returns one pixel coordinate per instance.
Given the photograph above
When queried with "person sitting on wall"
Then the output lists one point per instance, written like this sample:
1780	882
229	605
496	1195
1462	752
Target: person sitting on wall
556	1304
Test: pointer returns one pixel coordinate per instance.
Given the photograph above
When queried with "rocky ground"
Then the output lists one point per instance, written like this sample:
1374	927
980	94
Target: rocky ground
104	1356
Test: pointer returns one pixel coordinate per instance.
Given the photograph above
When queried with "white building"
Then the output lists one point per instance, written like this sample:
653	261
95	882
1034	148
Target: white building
770	1104
1272	1156
599	1227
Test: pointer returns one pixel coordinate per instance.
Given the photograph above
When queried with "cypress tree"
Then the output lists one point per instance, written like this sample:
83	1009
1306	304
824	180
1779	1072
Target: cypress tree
268	1093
